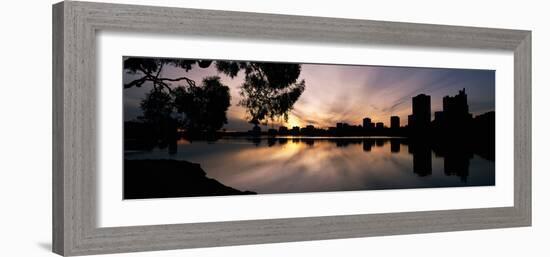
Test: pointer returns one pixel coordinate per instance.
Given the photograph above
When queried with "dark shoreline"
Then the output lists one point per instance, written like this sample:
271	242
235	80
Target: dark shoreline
145	179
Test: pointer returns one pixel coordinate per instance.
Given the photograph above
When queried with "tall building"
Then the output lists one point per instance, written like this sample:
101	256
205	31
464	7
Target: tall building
308	130
394	122
455	116
367	123
439	117
422	112
379	125
456	105
295	130
455	108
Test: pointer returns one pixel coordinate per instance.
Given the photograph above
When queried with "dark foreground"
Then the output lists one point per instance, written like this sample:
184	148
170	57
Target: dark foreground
170	178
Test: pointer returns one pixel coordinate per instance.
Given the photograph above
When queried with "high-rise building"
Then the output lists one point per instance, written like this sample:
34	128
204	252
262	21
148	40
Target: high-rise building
379	125
422	112
455	109
455	117
308	130
394	122
367	123
295	130
439	117
456	105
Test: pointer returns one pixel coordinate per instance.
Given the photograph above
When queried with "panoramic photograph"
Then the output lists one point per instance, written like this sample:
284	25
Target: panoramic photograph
235	127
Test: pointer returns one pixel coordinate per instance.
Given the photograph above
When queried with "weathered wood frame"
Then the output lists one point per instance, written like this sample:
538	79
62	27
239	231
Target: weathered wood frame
75	25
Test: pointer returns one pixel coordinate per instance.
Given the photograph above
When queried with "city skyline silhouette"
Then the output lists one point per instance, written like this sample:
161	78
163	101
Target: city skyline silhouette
454	116
218	127
346	93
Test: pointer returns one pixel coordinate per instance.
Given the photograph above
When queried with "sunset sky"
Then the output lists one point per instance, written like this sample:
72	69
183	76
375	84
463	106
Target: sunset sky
345	93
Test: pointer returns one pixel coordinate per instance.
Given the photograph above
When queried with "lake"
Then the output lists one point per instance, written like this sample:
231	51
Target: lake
322	164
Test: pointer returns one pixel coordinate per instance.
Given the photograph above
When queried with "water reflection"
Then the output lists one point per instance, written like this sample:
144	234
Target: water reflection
308	164
422	159
395	146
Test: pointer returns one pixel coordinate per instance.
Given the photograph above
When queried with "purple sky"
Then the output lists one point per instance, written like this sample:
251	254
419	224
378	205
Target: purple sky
348	93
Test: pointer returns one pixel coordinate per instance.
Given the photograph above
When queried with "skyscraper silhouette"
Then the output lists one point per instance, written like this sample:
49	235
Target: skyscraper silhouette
394	122
455	117
367	123
422	113
456	105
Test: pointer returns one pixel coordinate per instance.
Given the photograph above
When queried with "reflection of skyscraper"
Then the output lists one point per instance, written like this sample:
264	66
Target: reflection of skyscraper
457	160
395	145
458	164
422	159
394	122
308	141
341	143
367	144
422	112
271	141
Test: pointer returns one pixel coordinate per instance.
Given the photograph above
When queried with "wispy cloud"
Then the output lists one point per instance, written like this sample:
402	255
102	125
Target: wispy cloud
345	93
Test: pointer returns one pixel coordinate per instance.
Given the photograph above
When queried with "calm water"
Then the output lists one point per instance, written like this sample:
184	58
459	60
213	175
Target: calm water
288	165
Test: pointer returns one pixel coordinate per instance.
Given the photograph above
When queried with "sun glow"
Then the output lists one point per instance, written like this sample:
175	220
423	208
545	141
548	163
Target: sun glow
293	121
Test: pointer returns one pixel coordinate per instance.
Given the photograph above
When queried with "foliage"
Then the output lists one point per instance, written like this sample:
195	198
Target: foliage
203	107
269	91
156	106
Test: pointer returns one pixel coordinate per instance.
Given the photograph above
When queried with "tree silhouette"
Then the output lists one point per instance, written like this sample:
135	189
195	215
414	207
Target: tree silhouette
150	70
269	90
178	102
157	109
157	106
203	107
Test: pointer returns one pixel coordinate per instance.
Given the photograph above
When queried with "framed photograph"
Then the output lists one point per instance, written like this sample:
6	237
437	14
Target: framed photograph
183	128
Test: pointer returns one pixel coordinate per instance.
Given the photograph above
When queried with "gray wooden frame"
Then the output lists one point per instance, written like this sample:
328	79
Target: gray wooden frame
75	25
